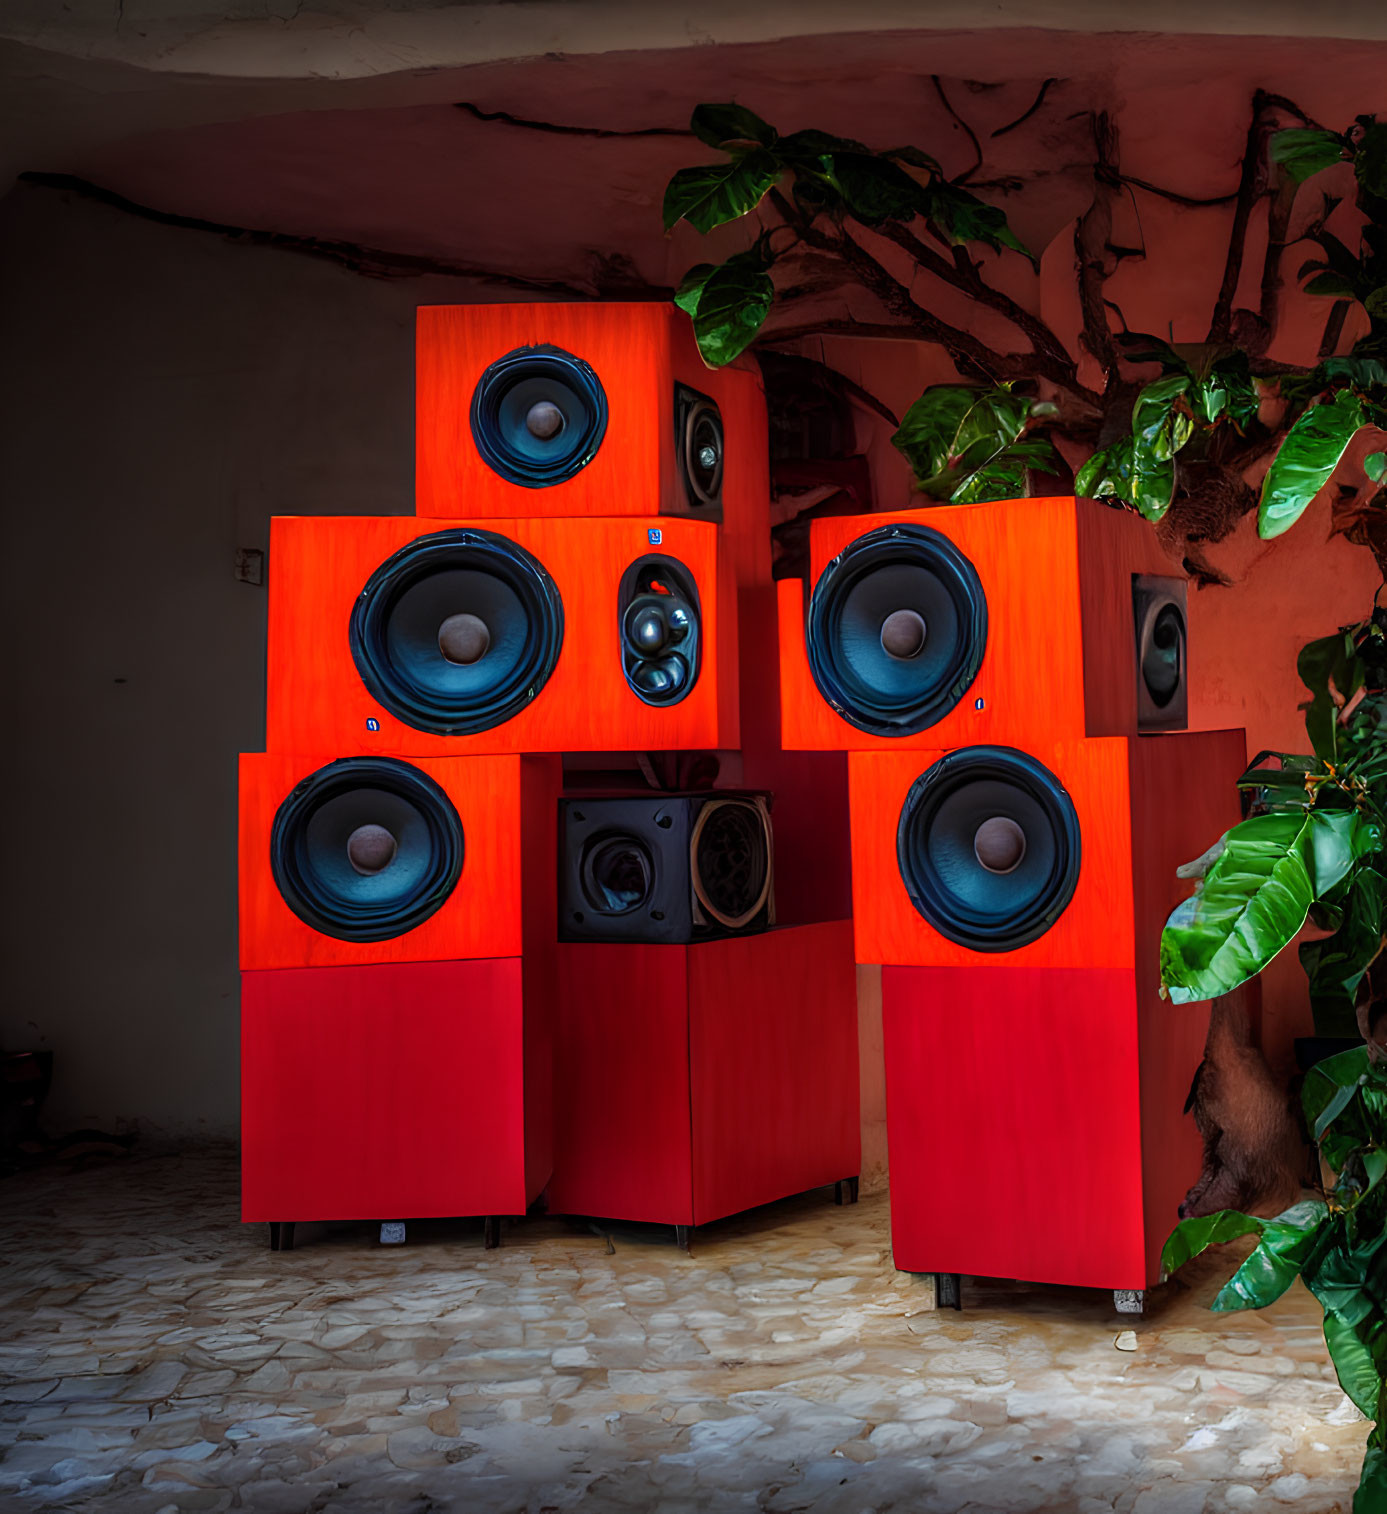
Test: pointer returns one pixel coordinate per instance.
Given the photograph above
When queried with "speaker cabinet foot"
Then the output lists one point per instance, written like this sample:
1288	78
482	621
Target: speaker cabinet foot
541	1203
281	1235
845	1191
1129	1300
392	1232
491	1232
948	1290
681	1237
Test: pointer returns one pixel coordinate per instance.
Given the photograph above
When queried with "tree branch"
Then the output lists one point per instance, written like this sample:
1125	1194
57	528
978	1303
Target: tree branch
1091	242
972	135
1252	185
478	114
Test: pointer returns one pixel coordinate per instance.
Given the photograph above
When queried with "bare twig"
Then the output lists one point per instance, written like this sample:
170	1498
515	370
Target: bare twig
1176	198
1028	112
972	135
1091	245
478	114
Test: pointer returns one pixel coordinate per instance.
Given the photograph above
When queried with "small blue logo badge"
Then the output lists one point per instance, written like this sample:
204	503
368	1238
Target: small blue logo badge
372	724
656	536
977	704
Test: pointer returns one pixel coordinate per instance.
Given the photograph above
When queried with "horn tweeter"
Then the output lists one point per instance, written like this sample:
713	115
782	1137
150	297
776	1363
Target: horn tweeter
1159	614
988	848
366	848
538	416
457	631
660	629
896	631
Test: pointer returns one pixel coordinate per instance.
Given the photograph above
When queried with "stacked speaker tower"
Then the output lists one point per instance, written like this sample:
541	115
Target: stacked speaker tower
1009	680
458	855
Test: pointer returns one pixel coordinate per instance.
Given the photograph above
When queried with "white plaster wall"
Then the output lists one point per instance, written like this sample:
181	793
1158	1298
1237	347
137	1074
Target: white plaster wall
162	393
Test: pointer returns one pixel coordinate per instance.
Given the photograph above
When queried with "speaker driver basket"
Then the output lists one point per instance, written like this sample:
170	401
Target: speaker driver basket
988	847
538	416
457	631
366	848
897	628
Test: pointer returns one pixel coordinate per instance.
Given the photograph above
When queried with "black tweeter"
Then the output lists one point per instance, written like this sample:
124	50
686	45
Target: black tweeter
1158	611
660	629
698	442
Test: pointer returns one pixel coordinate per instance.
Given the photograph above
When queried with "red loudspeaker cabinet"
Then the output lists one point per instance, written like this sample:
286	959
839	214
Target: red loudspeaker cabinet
471	875
699	1081
627	394
399	1091
1034	637
552	674
1059	1059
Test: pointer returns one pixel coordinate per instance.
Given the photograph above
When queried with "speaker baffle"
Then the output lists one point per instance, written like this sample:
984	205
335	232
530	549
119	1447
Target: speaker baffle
699	449
366	848
896	630
1161	630
989	848
660	629
457	632
538	416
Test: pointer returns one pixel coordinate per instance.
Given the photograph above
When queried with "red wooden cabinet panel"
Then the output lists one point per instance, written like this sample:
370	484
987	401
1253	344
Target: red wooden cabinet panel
693	1082
1060	658
317	700
400	1091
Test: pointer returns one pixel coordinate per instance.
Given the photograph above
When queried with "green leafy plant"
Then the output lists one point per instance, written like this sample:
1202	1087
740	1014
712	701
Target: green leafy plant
1314	847
1173	444
1336	1244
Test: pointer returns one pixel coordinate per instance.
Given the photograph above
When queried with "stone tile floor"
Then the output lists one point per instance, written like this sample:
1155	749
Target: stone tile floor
156	1357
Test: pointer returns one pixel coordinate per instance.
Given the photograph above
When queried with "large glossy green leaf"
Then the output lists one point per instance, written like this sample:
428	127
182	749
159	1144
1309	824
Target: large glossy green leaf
1255	897
1190	1237
1117	472
874	189
962	217
717	125
1332	670
1336	965
690	289
1371	1497
1303	151
732	307
1334	285
1353	1364
1375	466
715	193
967	444
1352	1121
1308	454
1275	1262
1160	427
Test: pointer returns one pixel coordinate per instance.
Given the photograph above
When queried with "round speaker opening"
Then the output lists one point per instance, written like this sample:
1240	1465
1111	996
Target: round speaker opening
538	416
366	849
371	849
457	632
730	852
1162	665
463	639
896	630
618	874
903	635
988	848
999	844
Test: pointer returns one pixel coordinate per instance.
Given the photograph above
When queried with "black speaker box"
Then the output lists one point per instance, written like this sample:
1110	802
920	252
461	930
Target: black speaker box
665	868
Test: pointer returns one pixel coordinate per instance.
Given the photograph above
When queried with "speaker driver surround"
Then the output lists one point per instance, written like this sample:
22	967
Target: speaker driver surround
457	631
988	847
366	848
538	416
897	629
